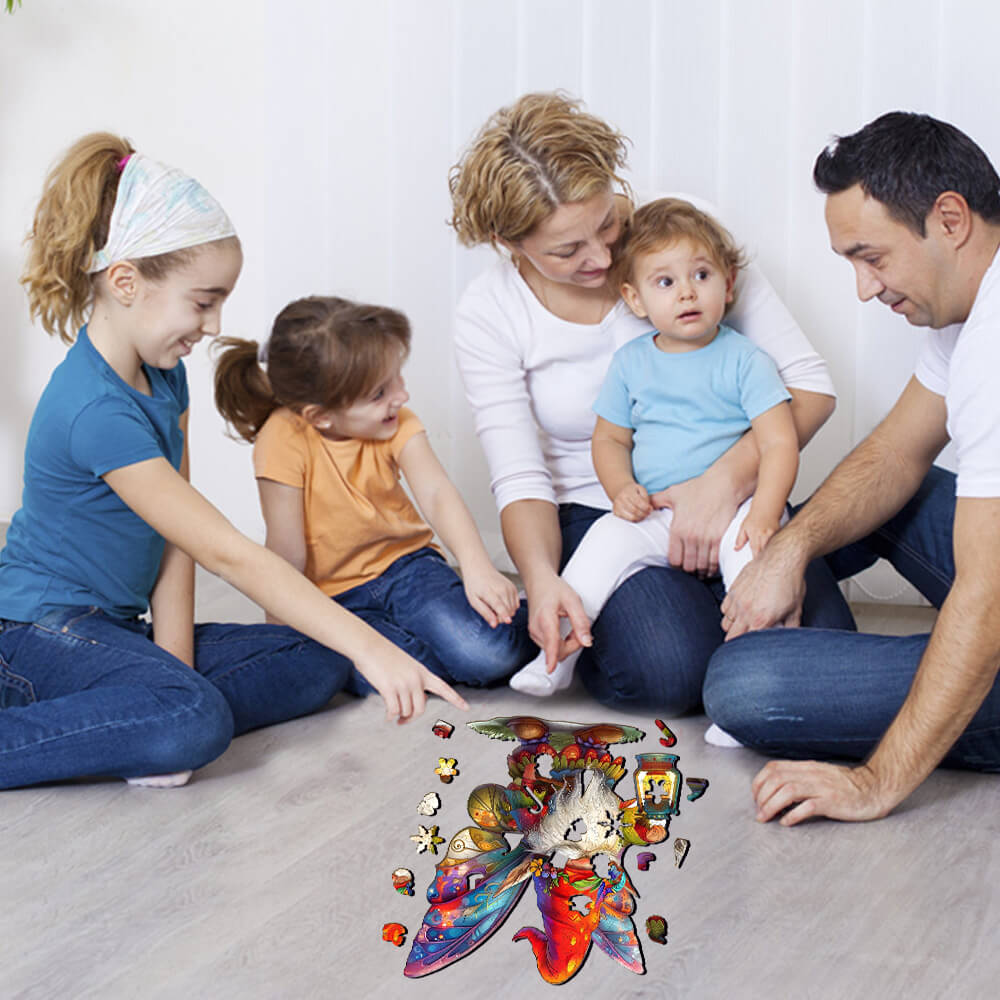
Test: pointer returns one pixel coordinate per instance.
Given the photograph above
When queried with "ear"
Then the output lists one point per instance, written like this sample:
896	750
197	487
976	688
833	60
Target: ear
123	280
730	285
632	300
951	217
316	415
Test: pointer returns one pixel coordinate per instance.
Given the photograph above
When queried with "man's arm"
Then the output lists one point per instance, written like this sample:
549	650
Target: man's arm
955	674
863	491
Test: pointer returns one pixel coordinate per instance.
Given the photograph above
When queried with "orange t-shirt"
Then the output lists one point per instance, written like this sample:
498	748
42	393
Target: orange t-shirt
358	518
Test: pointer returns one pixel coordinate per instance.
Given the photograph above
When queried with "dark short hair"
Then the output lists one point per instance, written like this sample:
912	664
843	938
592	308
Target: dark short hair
905	160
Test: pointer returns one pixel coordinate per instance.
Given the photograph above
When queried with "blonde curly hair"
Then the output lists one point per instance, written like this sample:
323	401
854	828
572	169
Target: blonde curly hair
540	152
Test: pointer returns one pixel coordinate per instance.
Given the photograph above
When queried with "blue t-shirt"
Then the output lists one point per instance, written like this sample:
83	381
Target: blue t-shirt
73	542
689	408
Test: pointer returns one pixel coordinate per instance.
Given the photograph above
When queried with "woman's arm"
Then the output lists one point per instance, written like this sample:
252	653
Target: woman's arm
171	506
534	541
171	605
487	590
284	519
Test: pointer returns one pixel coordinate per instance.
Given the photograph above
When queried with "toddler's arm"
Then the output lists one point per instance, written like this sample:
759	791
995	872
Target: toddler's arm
778	443
171	604
169	504
488	591
611	448
284	519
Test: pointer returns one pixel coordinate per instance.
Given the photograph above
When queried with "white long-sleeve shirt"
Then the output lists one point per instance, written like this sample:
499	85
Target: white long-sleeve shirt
531	377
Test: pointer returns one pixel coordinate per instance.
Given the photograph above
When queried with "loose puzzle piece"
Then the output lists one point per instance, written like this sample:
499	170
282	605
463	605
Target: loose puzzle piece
429	804
668	739
656	928
442	729
426	839
681	848
396	933
642	860
446	769
402	881
698	788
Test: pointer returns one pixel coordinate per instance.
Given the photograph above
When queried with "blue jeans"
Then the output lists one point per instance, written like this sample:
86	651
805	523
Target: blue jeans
82	693
812	693
419	604
656	634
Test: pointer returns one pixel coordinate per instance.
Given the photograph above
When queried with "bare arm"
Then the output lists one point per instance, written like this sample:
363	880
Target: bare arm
284	519
956	672
534	541
704	506
170	505
171	604
611	449
778	444
861	493
488	591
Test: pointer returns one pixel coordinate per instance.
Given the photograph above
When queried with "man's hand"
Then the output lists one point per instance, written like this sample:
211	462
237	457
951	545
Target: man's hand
808	788
769	591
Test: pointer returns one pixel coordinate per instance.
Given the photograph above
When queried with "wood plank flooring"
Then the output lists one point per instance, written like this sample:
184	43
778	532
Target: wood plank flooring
268	877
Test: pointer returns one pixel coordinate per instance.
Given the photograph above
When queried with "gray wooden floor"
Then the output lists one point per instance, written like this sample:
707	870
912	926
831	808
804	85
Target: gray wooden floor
269	875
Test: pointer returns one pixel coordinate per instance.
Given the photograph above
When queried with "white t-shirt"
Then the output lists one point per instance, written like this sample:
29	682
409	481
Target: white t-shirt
531	377
961	363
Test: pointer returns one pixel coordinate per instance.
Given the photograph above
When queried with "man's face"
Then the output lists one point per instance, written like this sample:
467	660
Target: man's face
892	263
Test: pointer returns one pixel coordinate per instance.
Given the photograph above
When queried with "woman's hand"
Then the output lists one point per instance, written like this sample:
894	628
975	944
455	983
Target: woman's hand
492	595
703	508
548	605
402	682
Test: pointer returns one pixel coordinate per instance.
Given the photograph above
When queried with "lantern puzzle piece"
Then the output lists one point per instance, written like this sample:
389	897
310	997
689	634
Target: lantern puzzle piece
395	933
681	848
429	804
658	787
656	928
667	739
402	881
426	839
446	769
565	820
442	729
642	860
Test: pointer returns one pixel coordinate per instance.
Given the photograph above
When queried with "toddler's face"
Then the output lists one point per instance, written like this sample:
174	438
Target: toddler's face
373	418
683	292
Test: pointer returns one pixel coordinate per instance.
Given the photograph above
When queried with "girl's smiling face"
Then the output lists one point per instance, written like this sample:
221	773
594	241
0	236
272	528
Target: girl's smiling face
375	417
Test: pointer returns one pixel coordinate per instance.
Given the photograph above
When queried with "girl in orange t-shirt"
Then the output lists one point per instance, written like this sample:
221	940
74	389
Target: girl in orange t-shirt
331	437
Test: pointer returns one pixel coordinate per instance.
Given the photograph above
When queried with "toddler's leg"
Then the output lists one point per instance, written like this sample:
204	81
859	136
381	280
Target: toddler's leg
611	551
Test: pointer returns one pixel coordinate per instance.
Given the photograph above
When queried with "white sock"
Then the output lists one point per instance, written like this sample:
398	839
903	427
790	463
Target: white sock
174	780
535	679
720	738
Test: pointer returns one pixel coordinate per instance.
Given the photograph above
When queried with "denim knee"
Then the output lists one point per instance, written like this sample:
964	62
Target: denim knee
740	683
197	729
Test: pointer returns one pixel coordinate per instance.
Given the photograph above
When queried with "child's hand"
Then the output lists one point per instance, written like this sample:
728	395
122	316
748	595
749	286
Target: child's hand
402	681
756	531
632	503
490	593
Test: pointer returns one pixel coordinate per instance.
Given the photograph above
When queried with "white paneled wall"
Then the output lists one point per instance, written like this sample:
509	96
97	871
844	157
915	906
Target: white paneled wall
327	129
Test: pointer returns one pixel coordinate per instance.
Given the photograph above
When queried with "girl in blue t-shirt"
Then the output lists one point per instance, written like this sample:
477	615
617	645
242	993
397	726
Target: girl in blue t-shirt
110	527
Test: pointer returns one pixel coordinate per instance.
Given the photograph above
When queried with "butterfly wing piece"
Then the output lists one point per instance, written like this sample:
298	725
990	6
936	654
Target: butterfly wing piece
462	916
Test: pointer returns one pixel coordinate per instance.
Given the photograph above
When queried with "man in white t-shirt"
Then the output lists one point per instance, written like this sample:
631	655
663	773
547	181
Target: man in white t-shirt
914	205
